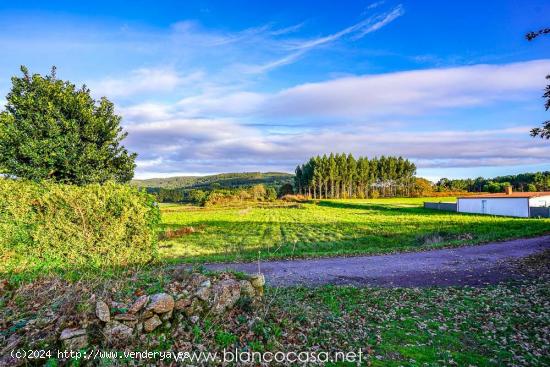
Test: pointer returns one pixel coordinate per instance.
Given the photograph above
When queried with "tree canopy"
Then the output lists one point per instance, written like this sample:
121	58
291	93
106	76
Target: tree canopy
51	129
537	181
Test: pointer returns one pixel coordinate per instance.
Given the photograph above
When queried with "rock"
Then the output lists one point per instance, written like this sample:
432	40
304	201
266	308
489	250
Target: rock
206	284
130	324
166	316
194	319
117	333
246	288
225	294
257	280
197	307
203	293
102	311
182	304
147	314
138	304
76	343
259	292
71	333
196	280
151	324
161	303
125	317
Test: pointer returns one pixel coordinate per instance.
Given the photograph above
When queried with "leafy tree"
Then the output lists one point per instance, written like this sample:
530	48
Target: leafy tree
258	192
286	189
422	187
521	182
197	196
270	193
52	130
544	131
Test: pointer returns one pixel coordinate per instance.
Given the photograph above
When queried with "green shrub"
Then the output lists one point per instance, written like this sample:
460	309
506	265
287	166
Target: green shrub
53	227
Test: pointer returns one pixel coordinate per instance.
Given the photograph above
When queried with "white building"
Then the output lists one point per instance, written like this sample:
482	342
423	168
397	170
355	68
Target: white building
513	204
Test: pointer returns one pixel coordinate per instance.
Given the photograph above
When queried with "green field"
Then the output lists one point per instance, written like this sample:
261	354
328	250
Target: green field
329	228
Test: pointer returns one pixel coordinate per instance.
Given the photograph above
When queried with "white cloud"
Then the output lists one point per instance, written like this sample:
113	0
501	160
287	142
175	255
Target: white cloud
410	92
220	102
221	145
145	112
144	80
370	97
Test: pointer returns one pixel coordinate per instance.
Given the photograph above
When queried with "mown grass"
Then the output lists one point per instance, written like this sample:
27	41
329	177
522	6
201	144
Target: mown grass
330	228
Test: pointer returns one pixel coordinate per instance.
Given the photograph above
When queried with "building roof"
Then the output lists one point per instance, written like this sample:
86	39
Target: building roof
503	195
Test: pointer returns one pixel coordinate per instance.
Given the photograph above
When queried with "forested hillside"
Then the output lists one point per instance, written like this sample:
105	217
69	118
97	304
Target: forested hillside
223	180
213	188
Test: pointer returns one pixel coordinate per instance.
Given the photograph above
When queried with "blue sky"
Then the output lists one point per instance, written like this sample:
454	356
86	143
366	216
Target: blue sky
218	86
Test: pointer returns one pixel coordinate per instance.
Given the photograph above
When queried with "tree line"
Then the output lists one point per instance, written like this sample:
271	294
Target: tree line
537	181
344	176
216	195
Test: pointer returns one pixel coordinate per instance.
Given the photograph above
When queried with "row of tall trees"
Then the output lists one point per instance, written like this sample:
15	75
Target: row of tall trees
344	176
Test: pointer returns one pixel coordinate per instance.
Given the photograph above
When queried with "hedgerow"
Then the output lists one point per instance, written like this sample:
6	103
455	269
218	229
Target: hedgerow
46	227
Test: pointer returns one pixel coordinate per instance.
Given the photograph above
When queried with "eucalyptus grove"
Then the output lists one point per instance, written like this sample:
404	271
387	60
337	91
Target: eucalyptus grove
343	176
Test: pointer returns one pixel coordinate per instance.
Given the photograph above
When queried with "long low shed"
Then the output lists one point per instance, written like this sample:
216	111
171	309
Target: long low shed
513	204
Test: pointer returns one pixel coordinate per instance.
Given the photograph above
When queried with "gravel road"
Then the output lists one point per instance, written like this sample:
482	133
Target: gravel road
472	265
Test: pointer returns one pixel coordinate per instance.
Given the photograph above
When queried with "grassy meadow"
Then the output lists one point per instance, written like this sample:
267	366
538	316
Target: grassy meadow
328	228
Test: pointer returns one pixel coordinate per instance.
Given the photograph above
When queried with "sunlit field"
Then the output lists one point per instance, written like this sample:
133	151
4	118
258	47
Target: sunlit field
329	228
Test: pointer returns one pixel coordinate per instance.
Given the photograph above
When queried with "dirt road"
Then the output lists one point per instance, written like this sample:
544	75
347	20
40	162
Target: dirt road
472	265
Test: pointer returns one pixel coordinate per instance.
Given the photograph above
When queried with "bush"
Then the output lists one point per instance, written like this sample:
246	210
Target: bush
270	194
295	198
53	227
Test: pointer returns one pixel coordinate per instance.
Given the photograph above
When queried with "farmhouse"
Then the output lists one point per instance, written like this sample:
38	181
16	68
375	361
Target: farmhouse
514	204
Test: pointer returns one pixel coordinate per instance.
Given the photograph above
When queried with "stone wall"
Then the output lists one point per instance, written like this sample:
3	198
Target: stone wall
192	299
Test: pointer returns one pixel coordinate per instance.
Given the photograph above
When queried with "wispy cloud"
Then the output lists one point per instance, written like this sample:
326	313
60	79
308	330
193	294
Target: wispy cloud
380	20
357	31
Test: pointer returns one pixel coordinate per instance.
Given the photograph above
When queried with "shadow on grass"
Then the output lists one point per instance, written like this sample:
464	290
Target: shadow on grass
386	209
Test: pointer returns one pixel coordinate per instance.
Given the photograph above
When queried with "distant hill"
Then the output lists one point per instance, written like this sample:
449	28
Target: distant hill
223	180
